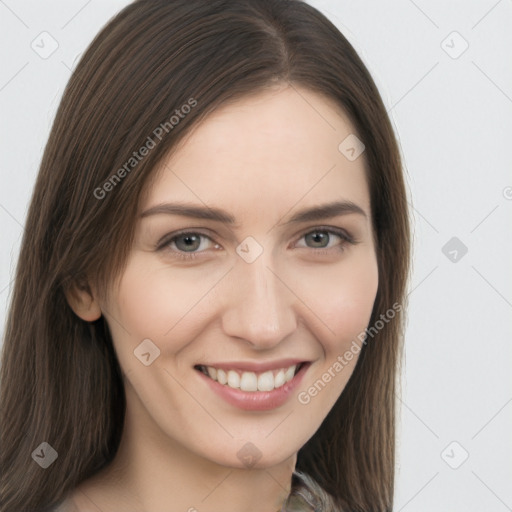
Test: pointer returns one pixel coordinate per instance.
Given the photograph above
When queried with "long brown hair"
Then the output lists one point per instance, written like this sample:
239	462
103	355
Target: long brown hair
60	380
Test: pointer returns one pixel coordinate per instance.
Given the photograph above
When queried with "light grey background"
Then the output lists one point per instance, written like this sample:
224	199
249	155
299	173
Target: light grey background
453	114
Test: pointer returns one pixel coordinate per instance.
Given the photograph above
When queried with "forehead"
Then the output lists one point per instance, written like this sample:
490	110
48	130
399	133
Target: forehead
268	151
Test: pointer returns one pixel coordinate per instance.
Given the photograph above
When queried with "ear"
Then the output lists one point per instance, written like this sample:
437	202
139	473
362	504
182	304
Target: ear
82	300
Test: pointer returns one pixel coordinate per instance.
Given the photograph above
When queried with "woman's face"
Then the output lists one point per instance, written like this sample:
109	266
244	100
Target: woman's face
238	267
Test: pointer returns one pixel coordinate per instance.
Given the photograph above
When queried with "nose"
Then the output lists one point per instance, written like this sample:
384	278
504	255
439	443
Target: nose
259	308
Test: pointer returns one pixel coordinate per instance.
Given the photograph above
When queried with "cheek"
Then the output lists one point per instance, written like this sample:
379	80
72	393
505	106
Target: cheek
342	298
158	302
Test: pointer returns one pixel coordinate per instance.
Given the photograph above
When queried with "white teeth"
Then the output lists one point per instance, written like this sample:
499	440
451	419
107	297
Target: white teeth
233	379
266	381
279	379
249	381
221	376
288	374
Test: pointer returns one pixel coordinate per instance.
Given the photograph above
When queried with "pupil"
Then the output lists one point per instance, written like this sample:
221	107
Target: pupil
191	242
319	239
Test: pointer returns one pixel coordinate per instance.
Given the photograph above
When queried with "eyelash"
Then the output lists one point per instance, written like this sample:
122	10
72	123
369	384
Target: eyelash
189	256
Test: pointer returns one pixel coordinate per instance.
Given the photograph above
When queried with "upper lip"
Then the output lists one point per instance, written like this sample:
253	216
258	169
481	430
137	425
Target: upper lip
257	367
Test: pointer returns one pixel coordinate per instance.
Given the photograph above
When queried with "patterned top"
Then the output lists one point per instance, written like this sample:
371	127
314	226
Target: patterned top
307	496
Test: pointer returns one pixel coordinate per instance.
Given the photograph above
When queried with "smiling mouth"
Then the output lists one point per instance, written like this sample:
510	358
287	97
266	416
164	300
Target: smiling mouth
252	381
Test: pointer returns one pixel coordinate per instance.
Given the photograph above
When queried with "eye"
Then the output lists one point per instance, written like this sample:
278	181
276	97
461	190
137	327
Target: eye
187	244
325	238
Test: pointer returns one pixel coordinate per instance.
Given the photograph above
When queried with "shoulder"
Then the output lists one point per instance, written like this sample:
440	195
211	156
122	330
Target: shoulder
306	492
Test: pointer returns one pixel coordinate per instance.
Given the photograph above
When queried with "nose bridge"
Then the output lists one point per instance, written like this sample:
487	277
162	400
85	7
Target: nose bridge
260	308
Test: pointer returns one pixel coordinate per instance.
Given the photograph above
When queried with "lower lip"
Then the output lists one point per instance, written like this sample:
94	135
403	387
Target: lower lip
256	400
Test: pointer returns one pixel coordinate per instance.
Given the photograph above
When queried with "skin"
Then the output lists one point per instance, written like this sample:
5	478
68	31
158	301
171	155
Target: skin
261	159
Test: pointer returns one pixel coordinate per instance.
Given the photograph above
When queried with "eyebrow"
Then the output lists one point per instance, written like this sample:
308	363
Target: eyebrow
313	213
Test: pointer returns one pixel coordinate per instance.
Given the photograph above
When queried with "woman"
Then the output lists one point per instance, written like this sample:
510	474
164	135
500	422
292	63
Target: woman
209	298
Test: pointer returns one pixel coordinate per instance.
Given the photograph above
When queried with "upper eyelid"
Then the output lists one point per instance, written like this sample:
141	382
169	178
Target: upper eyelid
165	241
331	229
